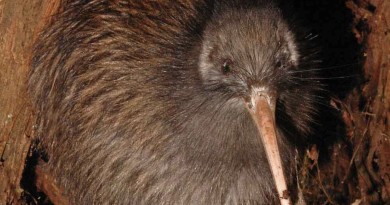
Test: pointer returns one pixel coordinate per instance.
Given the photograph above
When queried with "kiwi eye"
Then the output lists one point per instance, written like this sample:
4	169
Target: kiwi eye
226	67
278	64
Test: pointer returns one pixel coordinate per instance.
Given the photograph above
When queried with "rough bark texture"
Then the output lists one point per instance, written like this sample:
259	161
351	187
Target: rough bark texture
19	24
359	167
370	105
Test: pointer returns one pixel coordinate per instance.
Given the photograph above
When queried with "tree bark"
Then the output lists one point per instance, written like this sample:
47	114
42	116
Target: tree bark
20	22
371	119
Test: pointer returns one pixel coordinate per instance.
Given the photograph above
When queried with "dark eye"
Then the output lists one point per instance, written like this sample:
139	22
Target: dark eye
226	67
278	64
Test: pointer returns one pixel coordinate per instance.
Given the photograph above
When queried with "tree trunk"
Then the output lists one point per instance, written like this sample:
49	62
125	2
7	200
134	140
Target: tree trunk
359	167
371	119
20	22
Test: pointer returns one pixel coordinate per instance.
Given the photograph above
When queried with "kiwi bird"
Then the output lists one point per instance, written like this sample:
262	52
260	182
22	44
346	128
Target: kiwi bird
172	102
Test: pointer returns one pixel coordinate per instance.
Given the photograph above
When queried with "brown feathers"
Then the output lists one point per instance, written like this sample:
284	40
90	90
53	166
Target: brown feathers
126	117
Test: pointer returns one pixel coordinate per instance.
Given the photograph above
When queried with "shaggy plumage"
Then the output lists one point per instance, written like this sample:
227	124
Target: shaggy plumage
135	103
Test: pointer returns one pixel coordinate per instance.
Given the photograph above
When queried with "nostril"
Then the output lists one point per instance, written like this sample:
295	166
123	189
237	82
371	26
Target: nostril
278	64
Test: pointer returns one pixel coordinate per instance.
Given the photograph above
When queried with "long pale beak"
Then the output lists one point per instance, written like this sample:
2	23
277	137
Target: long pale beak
262	109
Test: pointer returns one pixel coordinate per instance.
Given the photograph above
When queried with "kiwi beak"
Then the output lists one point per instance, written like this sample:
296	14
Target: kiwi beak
262	109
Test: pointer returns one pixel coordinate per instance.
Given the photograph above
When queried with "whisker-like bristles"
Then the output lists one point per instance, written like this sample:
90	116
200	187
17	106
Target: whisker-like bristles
316	85
324	78
310	36
325	68
316	99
